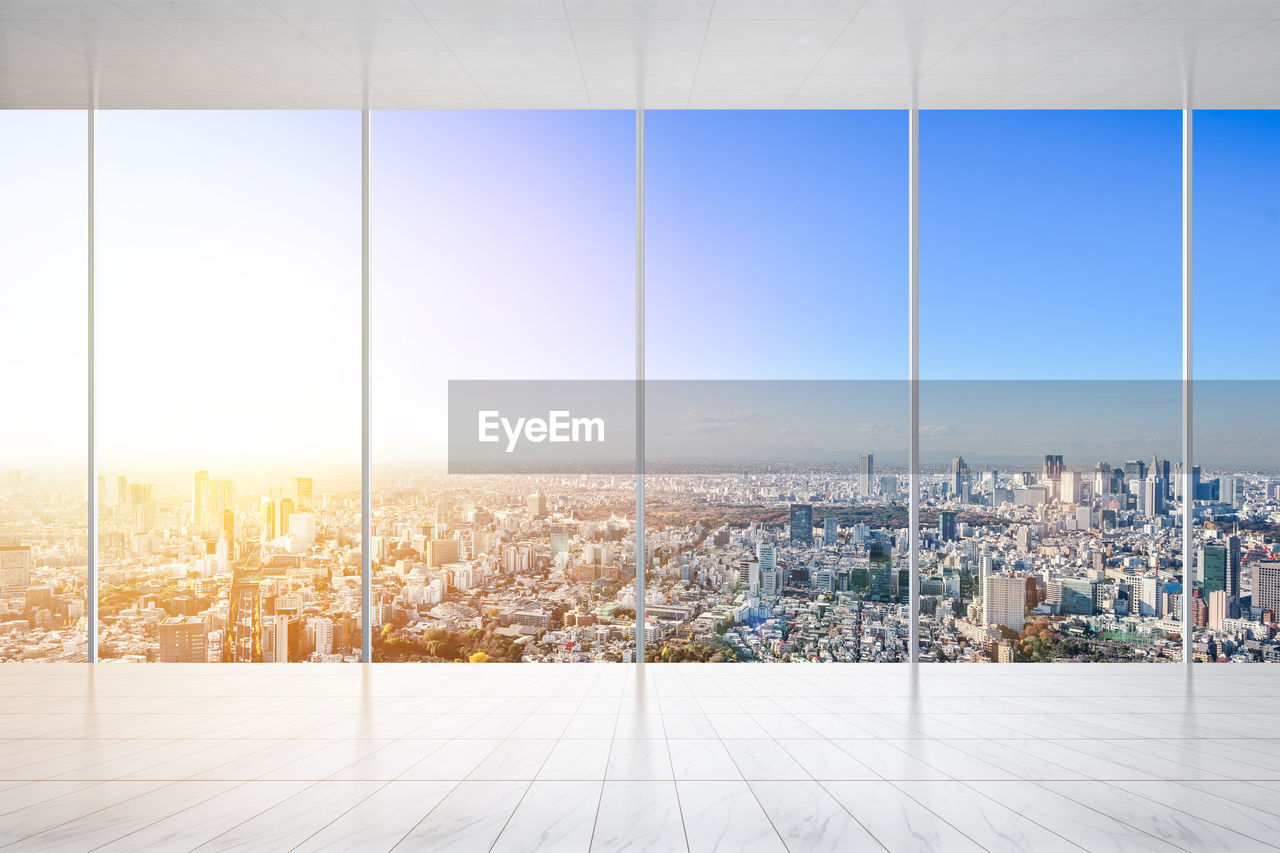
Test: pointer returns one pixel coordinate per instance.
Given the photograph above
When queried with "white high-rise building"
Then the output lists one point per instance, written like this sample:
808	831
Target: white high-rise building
1150	597
1069	487
1005	602
323	628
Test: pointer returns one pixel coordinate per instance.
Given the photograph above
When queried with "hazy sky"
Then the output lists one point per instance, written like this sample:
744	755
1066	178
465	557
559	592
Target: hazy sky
228	251
504	248
229	265
43	315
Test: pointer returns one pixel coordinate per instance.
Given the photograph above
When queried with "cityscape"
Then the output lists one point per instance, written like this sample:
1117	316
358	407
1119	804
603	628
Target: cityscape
769	562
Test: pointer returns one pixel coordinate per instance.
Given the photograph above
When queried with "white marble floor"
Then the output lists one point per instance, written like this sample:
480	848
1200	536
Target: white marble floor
664	758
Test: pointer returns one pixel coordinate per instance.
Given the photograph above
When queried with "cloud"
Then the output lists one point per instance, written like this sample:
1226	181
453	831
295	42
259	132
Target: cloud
706	423
936	429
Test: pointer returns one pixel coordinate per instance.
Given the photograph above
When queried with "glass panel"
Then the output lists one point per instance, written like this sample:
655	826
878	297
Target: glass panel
43	347
1237	390
229	385
1050	343
776	413
504	251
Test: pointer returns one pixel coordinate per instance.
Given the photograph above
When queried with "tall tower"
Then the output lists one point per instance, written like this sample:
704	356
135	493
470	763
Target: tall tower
960	478
302	494
285	509
802	523
1233	565
221	499
200	501
866	471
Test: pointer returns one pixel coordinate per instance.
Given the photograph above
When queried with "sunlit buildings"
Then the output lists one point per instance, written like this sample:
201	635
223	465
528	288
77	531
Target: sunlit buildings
1005	601
15	568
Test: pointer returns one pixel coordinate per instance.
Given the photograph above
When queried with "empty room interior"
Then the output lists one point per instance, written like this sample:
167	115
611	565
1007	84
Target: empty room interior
639	425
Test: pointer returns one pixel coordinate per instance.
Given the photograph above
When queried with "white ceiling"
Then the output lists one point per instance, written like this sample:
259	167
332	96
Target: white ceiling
420	54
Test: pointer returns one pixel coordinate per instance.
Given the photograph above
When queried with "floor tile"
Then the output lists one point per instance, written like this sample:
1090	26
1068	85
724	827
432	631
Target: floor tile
292	820
638	760
990	825
470	818
639	816
808	818
378	822
724	816
553	816
702	759
897	821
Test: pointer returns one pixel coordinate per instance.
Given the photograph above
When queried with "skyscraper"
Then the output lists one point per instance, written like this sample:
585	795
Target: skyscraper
1217	609
802	524
200	500
1153	496
1135	469
1231	491
866	470
960	478
213	498
302	494
1151	593
284	509
829	531
1005	602
947	525
767	554
267	518
1103	482
1232	544
1069	487
1213	568
1052	467
322	627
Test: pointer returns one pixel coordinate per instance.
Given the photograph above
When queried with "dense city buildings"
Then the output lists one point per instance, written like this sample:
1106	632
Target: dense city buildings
228	571
766	563
43	566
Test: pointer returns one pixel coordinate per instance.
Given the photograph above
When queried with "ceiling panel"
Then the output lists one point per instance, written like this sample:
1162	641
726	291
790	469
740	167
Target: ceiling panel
802	54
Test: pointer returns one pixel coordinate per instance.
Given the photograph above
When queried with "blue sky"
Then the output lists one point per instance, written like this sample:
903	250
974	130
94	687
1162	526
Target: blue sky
503	248
1237	243
775	244
1049	245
